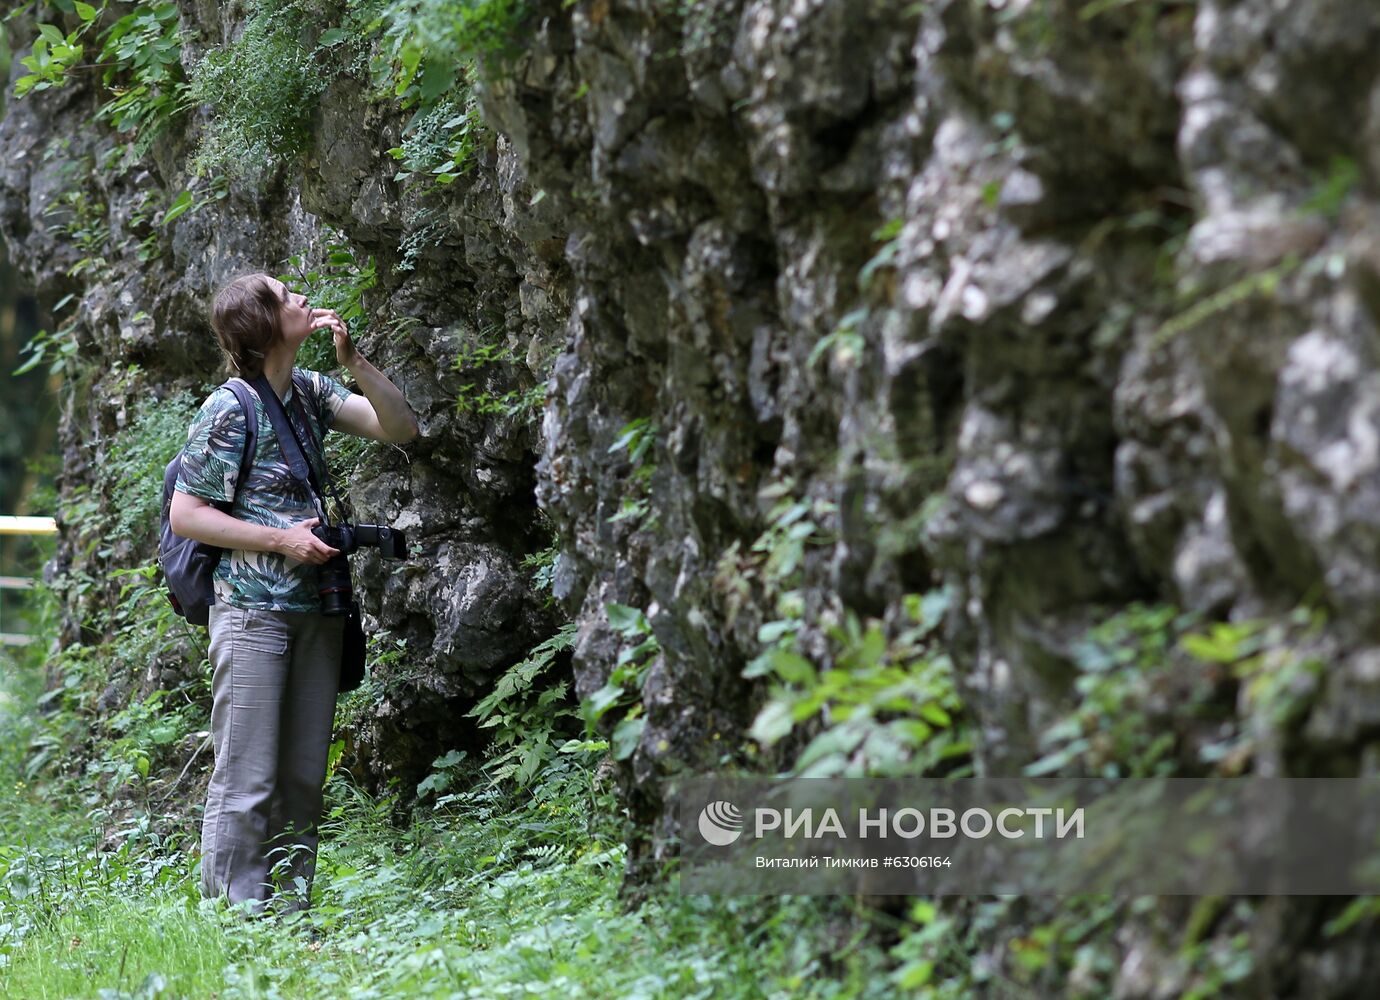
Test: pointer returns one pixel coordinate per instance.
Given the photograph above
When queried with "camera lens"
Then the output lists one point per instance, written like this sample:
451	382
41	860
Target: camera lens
333	586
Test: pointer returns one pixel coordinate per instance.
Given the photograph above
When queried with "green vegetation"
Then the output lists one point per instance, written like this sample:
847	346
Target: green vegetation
623	688
880	701
139	58
263	87
505	879
1159	692
489	362
637	439
1197	305
56	348
543	565
526	709
494	888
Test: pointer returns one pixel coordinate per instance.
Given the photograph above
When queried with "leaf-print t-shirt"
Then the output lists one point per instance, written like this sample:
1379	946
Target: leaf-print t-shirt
270	495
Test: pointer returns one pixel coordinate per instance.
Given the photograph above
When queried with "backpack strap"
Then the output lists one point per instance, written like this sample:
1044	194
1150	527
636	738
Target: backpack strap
251	432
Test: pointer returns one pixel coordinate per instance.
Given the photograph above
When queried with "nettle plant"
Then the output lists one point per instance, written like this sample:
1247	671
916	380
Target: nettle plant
527	711
880	701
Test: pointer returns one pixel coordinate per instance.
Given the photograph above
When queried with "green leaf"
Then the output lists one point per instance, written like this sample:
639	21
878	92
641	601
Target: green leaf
630	433
914	974
21	884
792	667
433	783
820	347
758	666
411	59
602	700
772	723
332	37
935	714
180	204
85	11
583	746
772	631
1053	762
625	737
449	760
839	741
625	620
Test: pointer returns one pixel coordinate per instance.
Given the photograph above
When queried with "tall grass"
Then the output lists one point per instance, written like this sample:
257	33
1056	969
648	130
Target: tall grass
491	893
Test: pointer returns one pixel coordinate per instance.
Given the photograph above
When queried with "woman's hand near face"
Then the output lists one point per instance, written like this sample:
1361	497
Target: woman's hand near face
345	353
300	544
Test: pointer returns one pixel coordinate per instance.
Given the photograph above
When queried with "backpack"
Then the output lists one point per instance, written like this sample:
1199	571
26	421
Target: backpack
187	564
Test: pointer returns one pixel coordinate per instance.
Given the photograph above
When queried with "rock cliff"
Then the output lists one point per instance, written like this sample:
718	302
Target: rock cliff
1056	308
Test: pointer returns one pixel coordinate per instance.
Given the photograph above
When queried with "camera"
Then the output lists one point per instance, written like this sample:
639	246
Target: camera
333	579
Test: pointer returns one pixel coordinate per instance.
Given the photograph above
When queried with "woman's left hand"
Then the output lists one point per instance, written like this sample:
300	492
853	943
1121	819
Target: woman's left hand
345	352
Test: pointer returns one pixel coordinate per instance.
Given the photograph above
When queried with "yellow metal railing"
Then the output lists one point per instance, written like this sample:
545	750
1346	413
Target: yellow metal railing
27	526
22	526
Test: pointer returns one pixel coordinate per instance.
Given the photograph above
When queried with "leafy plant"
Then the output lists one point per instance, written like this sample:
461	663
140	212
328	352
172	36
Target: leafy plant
479	398
133	460
143	56
441	142
53	54
890	704
525	708
141	62
623	689
56	347
427	47
1125	666
83	221
262	88
543	566
636	438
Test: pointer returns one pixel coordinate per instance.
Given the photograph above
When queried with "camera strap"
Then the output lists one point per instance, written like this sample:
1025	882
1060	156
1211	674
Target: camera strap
294	453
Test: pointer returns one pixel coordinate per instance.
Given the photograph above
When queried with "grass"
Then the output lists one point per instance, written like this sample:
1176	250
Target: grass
486	894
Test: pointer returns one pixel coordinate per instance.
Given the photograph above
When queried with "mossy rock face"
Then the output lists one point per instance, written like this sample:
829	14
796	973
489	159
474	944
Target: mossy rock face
1059	308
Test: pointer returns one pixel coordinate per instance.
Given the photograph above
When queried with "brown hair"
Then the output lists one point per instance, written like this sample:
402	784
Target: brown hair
246	316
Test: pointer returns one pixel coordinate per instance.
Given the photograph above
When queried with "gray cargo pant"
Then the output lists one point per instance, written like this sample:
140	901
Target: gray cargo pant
273	688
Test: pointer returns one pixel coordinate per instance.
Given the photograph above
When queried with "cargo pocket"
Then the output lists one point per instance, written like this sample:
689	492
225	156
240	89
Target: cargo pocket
264	632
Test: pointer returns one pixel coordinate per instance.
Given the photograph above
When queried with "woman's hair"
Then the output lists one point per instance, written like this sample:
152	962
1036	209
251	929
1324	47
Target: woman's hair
247	319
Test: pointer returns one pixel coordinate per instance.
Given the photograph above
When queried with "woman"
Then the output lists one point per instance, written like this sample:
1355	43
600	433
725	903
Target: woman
275	657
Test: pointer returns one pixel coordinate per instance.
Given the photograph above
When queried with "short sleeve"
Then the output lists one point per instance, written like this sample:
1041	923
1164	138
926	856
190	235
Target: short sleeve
329	396
215	445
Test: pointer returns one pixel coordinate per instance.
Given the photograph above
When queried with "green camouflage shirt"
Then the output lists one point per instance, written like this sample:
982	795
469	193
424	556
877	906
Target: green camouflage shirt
270	495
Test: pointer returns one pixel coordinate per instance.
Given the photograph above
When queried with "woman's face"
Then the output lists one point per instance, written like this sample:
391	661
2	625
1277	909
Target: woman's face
296	315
